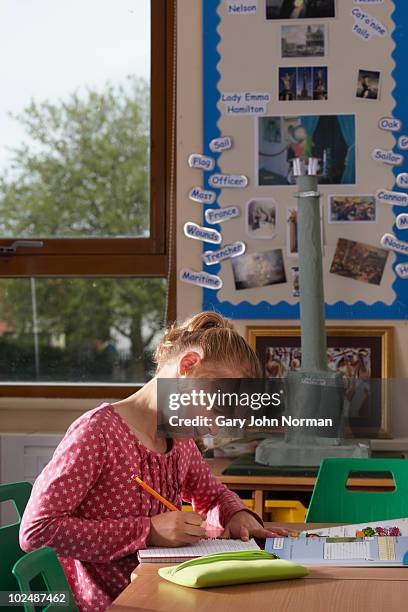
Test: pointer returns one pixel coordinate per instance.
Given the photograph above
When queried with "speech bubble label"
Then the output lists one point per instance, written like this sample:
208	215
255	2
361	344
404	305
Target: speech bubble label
192	230
227	252
218	145
201	279
201	162
402	221
204	196
393	198
388	157
228	181
403	143
219	215
402	270
390	124
389	241
402	180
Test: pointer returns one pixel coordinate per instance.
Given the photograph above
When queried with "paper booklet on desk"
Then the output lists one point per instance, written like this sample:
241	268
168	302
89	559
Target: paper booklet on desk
393	527
334	551
183	553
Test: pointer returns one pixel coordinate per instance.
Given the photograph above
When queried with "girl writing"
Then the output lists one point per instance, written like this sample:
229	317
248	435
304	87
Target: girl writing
84	504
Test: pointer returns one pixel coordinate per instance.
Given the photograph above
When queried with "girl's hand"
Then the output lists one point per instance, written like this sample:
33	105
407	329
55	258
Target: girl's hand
244	526
175	529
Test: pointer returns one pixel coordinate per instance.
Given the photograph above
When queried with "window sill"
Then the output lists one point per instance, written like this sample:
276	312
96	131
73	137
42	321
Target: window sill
41	415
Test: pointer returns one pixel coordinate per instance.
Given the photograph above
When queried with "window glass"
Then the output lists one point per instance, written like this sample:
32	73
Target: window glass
73	330
75	118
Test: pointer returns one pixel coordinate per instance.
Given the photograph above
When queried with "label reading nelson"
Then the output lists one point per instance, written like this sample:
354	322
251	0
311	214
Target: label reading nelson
192	230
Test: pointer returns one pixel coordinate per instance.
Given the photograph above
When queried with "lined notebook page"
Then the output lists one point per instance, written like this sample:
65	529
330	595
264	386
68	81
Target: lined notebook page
204	547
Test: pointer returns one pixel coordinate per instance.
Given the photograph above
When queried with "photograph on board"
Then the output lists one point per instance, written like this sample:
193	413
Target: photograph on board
261	218
292	233
295	281
259	269
352	209
368	84
303	83
330	138
303	40
300	9
359	261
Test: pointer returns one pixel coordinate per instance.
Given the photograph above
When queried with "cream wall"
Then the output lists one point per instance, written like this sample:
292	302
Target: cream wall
189	140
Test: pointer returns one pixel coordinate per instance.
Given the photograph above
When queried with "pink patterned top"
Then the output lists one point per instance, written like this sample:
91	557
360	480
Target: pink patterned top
86	507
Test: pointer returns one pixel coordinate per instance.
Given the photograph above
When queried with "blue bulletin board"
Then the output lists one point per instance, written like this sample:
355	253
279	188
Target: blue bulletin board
213	13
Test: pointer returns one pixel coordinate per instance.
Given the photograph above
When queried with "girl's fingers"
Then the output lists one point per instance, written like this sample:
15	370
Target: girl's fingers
194	530
244	534
192	518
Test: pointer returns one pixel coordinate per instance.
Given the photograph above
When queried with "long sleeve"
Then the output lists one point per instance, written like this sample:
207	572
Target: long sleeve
50	517
208	495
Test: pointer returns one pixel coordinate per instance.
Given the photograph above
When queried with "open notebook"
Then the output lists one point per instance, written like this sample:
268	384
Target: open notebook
183	553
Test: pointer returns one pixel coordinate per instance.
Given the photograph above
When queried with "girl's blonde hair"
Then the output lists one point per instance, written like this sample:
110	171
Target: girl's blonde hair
221	344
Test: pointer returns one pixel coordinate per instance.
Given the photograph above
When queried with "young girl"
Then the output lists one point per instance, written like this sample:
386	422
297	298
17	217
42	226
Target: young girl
84	504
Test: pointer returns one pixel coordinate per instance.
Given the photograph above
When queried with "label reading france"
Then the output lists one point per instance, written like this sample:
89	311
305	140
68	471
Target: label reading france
219	215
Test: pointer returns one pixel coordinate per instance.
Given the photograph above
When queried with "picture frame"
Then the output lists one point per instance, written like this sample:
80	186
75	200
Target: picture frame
350	350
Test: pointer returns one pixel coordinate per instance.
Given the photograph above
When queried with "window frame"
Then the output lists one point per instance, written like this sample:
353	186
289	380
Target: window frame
124	256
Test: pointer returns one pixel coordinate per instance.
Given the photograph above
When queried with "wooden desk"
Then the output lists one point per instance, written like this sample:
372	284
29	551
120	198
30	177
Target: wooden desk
259	484
324	590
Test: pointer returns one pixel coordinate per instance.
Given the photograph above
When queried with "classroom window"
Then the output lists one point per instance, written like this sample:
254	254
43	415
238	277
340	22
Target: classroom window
73	330
84	157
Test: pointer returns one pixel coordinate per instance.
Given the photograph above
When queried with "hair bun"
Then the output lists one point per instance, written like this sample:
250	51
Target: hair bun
207	320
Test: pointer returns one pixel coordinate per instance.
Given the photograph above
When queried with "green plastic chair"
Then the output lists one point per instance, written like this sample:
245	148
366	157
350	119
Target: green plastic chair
332	502
19	493
43	563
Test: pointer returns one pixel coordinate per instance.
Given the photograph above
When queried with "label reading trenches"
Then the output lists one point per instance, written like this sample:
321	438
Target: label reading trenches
227	252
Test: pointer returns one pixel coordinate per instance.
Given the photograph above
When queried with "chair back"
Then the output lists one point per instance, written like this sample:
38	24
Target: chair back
43	563
19	493
332	502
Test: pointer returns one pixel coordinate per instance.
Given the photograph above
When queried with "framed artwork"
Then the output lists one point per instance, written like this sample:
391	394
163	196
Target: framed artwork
362	354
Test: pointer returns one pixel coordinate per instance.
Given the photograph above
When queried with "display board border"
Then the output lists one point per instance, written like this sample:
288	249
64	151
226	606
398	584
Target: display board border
398	310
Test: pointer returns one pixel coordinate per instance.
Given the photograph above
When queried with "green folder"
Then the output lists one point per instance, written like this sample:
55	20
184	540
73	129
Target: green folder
221	569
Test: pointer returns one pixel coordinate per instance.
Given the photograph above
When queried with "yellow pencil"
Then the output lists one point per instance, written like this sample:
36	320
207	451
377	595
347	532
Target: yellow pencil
156	495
